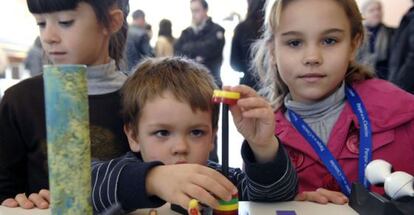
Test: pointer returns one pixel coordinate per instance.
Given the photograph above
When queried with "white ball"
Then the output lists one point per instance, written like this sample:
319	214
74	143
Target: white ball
399	184
377	170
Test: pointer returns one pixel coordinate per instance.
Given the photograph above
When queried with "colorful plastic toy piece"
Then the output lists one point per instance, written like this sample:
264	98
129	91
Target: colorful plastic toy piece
226	97
193	207
228	207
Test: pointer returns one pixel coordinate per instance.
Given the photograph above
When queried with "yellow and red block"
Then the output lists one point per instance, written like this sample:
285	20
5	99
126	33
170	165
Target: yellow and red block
226	97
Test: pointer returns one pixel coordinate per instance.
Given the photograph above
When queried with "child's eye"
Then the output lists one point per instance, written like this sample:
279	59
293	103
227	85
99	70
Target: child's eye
41	24
329	41
67	23
294	43
161	133
197	132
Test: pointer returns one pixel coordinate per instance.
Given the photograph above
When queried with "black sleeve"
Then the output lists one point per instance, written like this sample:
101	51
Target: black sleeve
12	151
272	181
122	180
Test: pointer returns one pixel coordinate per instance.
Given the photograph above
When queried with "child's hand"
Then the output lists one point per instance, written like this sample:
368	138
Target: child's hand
255	120
40	200
180	183
323	196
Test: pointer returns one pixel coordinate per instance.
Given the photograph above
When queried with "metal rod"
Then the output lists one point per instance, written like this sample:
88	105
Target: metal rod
225	139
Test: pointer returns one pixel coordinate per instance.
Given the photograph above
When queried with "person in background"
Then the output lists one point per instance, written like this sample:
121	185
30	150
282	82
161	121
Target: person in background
164	47
375	50
171	123
245	34
203	41
148	29
331	114
401	63
137	45
4	62
92	33
34	60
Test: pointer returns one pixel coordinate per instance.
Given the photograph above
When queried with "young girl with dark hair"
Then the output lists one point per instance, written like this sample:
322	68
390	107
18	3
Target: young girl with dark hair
71	32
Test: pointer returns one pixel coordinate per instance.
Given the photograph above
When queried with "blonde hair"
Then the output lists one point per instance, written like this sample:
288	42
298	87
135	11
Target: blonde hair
187	80
273	86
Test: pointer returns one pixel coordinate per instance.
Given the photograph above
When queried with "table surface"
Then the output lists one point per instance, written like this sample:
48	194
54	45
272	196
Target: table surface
245	208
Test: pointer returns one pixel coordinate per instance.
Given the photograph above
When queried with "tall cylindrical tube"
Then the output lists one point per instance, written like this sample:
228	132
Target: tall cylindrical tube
68	141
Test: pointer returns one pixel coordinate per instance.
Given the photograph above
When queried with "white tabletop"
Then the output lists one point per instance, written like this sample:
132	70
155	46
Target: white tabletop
245	208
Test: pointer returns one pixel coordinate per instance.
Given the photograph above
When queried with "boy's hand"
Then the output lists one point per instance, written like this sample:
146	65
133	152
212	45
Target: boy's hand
323	196
255	120
40	200
180	183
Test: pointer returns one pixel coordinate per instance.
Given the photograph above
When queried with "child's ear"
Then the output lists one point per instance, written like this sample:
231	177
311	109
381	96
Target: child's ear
132	139
117	20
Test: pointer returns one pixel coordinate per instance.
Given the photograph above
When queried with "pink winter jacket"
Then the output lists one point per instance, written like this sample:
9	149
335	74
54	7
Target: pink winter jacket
391	112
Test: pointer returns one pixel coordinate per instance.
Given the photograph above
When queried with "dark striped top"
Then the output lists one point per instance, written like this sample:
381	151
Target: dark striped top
122	180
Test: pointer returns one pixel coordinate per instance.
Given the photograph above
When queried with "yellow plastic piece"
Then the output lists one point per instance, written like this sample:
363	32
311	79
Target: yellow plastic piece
193	203
226	94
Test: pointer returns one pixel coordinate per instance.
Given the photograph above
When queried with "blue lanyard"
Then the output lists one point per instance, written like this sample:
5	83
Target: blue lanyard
365	146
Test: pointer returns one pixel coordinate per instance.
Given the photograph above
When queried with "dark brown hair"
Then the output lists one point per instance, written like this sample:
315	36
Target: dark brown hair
101	8
203	3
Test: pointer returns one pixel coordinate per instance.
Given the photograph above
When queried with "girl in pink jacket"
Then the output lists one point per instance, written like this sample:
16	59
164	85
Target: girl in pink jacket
331	114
